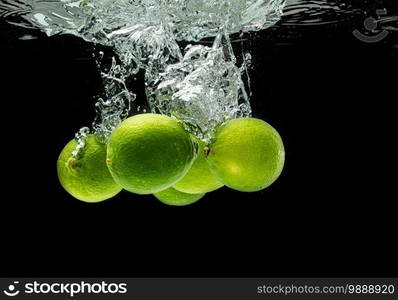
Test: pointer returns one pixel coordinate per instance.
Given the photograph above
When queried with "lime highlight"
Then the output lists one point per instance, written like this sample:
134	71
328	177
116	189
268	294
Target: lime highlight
87	177
248	154
173	197
148	153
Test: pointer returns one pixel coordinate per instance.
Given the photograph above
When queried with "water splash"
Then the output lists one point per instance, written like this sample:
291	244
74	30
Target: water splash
116	102
50	16
203	90
189	20
200	86
80	138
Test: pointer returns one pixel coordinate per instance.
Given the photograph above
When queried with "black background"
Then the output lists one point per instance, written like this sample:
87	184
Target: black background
331	213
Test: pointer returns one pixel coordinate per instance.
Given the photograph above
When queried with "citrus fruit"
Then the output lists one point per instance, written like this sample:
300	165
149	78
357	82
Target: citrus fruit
86	177
148	153
199	178
247	154
171	196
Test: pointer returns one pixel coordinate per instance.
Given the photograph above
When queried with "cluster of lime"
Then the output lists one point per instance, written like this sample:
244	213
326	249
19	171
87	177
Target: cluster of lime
153	154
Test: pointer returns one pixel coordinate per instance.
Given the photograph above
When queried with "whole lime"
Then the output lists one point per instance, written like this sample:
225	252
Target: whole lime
148	153
199	178
248	154
86	177
173	197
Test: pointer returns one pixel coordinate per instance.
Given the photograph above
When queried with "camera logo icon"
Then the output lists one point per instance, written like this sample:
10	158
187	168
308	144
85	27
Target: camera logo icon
12	290
370	25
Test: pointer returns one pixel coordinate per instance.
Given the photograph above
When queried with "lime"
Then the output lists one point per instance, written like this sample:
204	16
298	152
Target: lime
199	178
87	177
247	155
148	153
173	197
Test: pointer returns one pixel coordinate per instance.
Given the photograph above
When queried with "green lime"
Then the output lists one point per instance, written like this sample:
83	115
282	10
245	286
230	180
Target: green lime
199	178
247	155
173	197
87	177
148	153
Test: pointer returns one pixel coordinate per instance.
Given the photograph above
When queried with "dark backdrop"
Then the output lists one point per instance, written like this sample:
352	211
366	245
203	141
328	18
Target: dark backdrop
331	213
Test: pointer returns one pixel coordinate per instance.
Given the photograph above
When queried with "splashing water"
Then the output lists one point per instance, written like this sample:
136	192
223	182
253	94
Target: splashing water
80	138
115	105
203	89
200	86
188	19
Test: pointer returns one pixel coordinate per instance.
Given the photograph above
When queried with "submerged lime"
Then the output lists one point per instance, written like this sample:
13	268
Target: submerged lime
247	155
87	177
199	178
148	153
173	197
